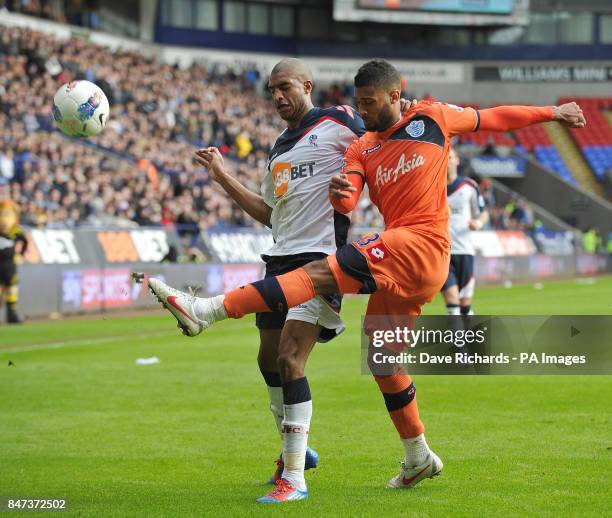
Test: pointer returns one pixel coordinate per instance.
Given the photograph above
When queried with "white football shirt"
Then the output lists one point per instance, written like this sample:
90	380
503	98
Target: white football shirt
295	185
465	203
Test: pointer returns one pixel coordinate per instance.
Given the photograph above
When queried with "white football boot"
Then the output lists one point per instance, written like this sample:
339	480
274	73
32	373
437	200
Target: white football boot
181	305
411	476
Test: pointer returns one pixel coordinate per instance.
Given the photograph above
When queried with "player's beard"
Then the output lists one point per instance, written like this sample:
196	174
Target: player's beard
385	119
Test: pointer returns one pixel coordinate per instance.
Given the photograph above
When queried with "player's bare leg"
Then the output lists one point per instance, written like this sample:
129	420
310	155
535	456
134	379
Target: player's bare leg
458	315
466	306
268	361
399	394
288	290
451	299
296	343
420	462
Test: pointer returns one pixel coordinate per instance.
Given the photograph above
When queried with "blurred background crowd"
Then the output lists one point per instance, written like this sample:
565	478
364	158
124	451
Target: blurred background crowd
140	170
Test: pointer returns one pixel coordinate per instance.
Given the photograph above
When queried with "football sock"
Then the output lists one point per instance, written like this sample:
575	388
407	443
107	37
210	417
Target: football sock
201	308
455	321
345	283
296	425
400	399
12	296
275	391
271	294
283	292
453	309
467	310
417	450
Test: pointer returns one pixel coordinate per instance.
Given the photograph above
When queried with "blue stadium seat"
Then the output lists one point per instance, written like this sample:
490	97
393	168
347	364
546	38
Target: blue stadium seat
599	158
549	157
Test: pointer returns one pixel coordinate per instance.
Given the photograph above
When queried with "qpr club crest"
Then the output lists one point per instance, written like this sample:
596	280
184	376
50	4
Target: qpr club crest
415	129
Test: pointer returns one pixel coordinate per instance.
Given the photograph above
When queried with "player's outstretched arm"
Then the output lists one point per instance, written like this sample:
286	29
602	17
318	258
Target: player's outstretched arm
344	191
252	203
506	118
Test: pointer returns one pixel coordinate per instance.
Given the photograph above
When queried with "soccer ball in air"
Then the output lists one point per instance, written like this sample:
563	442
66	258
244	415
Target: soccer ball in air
80	109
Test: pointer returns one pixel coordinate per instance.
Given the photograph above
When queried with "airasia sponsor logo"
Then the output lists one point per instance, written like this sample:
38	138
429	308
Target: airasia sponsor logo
404	166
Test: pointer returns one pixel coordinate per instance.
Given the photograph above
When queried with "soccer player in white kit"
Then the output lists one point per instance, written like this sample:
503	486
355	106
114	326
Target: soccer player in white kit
294	203
467	213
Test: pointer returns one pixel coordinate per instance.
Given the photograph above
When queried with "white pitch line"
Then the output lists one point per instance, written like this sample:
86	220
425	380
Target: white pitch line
81	342
102	340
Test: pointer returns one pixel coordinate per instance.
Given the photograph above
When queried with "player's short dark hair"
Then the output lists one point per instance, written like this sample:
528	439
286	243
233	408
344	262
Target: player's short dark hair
378	73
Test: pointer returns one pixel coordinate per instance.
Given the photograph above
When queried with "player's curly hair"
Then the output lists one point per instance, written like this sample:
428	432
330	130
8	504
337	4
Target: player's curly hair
378	73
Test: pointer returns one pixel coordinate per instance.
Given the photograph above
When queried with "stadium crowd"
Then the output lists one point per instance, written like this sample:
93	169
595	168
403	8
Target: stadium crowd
140	170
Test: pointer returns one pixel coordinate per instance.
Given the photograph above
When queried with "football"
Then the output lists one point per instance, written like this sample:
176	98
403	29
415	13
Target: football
80	109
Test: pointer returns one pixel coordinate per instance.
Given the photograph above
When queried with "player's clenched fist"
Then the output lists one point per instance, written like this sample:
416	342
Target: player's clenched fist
570	115
340	187
212	159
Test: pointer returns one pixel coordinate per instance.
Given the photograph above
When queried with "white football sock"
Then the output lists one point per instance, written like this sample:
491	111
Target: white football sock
296	426
210	309
276	407
453	310
417	450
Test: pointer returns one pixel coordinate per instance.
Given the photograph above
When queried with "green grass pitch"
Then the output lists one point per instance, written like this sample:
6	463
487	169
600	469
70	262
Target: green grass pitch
192	435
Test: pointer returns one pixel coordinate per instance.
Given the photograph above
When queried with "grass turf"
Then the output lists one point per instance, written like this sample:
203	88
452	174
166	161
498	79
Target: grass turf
193	436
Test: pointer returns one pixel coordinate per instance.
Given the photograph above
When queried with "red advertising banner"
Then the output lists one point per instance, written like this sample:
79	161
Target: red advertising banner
515	243
117	287
235	276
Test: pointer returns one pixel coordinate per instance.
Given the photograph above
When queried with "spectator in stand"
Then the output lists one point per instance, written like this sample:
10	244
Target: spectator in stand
520	215
499	218
490	149
140	169
591	241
